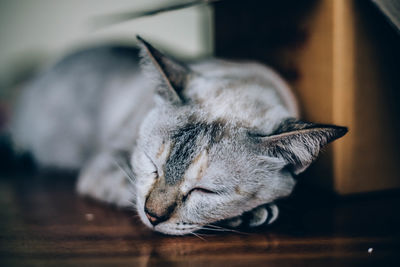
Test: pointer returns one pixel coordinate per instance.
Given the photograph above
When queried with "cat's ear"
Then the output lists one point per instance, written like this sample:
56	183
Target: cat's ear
298	142
172	75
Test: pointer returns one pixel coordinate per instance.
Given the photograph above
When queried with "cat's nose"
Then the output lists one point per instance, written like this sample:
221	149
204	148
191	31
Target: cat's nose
154	220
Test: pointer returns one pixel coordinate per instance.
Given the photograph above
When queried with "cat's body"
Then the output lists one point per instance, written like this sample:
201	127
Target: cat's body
81	104
218	139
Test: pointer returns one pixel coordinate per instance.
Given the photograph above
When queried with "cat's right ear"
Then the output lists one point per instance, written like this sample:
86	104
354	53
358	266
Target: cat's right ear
298	143
171	75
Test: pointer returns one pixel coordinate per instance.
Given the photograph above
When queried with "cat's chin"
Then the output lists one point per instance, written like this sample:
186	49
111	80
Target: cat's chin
177	228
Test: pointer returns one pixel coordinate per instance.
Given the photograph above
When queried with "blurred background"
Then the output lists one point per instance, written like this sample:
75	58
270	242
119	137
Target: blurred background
340	56
35	33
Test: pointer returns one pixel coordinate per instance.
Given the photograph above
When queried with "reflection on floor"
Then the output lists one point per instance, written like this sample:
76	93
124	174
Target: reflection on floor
43	222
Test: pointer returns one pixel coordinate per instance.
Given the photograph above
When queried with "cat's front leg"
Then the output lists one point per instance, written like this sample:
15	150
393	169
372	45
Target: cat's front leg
104	179
256	217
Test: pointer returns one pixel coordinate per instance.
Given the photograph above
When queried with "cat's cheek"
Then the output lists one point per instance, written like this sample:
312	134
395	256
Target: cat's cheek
199	208
140	211
143	186
142	163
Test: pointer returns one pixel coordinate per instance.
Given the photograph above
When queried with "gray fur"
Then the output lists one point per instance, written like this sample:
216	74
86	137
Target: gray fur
215	141
186	144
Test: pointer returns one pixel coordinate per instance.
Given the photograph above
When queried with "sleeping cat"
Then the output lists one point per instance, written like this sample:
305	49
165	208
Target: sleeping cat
206	142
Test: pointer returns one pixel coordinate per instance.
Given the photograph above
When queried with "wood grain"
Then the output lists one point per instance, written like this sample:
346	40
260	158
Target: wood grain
44	223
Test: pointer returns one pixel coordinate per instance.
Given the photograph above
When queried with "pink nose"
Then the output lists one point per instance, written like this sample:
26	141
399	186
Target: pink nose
153	219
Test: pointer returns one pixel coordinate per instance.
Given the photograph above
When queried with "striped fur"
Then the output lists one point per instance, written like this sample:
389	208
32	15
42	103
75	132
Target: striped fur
208	142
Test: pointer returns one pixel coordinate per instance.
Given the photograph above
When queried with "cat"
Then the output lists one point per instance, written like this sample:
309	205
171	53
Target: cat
206	142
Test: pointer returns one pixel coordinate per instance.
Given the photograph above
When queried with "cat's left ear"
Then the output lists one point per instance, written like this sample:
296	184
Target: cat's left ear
172	74
298	142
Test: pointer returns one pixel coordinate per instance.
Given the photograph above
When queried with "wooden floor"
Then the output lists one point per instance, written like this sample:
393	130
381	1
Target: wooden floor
43	222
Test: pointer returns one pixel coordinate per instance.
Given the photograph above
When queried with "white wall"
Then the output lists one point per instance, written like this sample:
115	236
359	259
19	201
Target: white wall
31	30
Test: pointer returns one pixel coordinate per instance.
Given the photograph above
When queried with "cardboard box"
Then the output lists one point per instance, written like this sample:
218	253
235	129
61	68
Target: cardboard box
342	59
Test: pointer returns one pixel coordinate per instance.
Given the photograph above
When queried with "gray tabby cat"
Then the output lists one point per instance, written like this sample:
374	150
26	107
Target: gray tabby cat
207	141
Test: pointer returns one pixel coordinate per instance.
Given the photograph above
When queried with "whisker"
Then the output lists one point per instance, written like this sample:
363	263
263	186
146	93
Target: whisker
216	228
213	229
133	192
203	234
133	206
130	176
197	235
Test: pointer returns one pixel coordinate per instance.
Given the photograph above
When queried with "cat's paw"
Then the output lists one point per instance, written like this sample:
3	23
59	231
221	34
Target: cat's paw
102	180
263	214
234	222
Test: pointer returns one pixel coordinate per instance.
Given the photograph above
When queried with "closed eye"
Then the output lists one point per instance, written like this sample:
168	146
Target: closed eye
200	190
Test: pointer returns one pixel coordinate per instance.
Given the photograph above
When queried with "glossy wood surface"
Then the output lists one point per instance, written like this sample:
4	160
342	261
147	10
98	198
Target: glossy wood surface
44	223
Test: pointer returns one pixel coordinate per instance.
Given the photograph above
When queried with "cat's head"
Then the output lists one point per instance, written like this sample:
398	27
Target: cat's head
192	171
